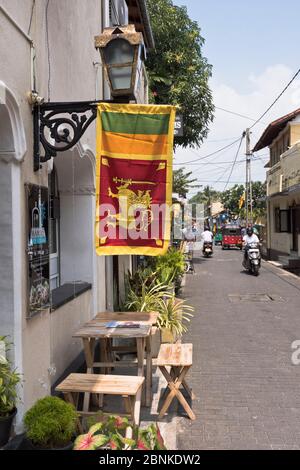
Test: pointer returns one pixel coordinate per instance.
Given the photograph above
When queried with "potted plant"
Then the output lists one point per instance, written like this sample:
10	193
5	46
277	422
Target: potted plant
172	260
173	313
51	424
148	299
9	379
111	432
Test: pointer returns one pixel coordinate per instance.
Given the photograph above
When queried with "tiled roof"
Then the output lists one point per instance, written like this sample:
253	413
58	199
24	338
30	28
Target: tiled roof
273	129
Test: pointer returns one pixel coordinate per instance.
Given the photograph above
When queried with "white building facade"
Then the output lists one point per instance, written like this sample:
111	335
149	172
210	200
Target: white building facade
48	46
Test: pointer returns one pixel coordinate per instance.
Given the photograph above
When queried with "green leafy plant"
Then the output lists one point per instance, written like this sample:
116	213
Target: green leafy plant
110	433
147	299
142	276
51	422
174	259
171	262
9	379
173	313
179	73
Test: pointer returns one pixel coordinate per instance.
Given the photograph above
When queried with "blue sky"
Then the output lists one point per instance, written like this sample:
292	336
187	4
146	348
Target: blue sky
243	36
254	50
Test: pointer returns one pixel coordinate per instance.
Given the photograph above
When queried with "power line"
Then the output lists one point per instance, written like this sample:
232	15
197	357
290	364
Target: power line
223	181
237	114
243	116
234	162
209	155
219	140
275	101
258	157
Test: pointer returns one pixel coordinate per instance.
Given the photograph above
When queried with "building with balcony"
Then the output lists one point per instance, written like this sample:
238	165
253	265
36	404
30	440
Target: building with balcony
283	189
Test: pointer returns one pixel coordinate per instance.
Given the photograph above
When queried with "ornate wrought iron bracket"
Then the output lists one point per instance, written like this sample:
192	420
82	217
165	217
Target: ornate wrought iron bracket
59	126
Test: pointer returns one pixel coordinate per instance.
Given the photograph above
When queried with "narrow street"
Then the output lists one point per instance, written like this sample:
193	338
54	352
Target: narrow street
246	387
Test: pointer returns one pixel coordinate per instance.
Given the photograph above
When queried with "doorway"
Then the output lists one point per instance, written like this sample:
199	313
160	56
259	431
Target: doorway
295	228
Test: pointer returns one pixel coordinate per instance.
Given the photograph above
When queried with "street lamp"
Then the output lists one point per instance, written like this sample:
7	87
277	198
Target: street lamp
59	126
122	52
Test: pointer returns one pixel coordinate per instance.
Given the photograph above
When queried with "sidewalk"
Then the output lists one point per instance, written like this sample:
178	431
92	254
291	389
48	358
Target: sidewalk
245	384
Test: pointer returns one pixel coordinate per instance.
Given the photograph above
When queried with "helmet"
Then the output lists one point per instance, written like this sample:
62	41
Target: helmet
249	231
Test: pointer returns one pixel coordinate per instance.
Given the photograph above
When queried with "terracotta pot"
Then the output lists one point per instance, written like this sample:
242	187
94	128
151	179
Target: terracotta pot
167	336
156	342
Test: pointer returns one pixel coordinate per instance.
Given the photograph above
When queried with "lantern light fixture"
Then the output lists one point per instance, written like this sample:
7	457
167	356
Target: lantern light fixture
58	126
122	52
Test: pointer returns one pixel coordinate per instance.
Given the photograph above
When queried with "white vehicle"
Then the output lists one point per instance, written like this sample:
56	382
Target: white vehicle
252	258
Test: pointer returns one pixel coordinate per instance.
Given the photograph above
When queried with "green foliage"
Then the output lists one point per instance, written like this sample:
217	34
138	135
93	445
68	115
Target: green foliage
9	379
173	313
231	197
110	434
182	183
172	260
147	299
135	281
149	290
207	196
51	422
178	72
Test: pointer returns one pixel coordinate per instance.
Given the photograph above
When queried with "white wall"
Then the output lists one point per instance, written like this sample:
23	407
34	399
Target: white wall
68	318
282	242
72	27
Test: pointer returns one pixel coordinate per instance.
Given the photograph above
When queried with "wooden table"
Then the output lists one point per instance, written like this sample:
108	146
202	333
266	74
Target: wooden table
145	317
96	329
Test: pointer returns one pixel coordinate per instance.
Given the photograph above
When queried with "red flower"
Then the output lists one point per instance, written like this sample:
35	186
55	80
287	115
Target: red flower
113	445
141	445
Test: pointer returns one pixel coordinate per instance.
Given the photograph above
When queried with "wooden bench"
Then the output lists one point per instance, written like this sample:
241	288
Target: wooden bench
123	385
179	357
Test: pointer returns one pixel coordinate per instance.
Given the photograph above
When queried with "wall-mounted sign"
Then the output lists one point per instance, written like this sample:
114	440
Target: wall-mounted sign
178	125
37	248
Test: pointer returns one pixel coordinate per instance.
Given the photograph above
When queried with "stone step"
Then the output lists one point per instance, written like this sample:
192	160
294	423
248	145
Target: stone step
283	260
289	261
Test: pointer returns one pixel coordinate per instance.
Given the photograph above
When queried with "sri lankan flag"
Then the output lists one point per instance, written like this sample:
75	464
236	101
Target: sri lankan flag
133	179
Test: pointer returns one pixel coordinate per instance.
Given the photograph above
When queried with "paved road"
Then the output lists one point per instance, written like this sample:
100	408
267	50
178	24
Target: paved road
247	389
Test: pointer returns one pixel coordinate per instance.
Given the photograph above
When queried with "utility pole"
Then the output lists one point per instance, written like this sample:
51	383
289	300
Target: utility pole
248	198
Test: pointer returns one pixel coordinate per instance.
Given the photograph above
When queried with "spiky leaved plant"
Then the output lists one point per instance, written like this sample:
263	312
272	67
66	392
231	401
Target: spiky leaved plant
173	313
148	299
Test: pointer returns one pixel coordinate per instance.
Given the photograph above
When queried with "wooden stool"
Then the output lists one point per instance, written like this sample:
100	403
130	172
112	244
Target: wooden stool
123	385
180	358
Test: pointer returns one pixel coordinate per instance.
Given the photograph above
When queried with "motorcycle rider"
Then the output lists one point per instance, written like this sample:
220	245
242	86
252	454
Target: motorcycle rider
207	236
249	238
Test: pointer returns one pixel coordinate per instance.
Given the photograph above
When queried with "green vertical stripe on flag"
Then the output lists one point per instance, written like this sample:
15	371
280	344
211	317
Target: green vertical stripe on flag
127	123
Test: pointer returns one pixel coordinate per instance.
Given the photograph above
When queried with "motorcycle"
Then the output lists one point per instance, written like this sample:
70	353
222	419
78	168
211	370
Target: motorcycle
252	259
207	249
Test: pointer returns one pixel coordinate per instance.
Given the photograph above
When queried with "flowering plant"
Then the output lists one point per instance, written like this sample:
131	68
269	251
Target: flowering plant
111	434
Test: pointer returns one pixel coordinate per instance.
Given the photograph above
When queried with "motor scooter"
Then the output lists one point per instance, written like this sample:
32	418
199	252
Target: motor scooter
252	258
207	249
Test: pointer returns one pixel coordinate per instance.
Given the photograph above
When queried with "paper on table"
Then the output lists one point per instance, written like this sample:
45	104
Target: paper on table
122	324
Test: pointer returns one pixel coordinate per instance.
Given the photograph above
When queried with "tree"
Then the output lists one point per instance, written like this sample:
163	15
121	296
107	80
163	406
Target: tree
231	197
207	196
259	192
182	183
178	73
